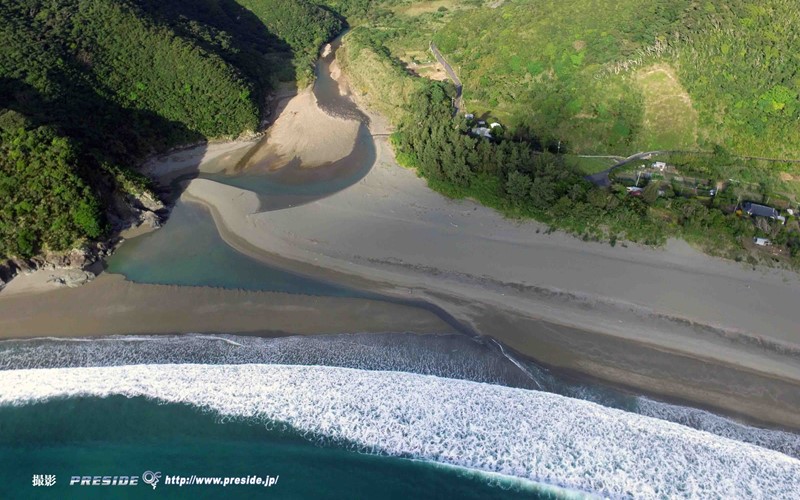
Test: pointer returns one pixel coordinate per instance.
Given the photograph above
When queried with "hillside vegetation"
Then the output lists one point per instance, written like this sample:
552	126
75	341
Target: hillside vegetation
569	79
571	70
90	87
375	75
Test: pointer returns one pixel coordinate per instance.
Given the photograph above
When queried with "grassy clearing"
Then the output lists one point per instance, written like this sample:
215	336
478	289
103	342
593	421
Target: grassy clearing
670	121
590	166
413	9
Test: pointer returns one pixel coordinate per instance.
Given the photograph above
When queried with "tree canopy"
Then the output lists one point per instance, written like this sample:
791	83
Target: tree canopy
88	88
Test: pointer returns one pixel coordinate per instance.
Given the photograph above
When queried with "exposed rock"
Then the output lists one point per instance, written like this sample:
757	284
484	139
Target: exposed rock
326	51
149	219
146	201
73	278
74	260
129	211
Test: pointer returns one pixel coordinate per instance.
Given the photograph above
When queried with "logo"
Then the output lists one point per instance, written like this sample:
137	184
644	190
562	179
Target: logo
104	480
151	478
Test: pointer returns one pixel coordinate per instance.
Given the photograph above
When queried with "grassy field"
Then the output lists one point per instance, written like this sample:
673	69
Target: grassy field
670	120
590	165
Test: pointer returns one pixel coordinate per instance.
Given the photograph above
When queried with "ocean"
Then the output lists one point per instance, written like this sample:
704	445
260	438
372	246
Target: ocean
127	436
357	416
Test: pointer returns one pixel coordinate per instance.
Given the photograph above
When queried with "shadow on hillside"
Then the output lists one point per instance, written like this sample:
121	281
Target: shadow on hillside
225	28
108	138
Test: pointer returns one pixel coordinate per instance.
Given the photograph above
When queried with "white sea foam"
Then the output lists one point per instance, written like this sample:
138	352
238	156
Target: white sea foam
449	356
529	434
782	441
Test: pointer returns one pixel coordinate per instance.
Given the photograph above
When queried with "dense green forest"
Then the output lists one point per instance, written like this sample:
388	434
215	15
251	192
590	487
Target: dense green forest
303	25
88	88
45	200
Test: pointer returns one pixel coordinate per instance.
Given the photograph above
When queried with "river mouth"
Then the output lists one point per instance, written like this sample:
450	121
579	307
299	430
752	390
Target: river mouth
293	184
189	250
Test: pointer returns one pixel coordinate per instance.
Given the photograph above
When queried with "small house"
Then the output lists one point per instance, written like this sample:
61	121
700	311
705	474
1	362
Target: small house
495	125
484	132
757	210
469	116
762	242
660	165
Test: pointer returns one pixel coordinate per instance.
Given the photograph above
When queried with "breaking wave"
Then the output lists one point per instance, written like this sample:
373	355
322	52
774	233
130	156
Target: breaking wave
448	356
528	434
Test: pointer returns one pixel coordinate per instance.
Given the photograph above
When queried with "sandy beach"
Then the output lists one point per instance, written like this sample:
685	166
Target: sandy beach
110	305
305	133
669	321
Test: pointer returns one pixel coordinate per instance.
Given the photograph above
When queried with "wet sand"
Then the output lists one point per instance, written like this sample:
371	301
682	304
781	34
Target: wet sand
110	305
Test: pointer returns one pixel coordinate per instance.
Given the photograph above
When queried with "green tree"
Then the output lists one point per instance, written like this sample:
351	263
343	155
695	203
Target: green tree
518	186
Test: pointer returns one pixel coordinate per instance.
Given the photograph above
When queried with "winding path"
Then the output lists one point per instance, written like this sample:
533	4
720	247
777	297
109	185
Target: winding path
457	104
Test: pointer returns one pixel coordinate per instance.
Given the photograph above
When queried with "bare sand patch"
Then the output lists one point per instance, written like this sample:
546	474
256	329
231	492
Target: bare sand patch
43	280
304	131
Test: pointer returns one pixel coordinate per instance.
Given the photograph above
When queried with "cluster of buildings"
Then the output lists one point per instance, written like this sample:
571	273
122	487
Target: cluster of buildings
757	210
481	129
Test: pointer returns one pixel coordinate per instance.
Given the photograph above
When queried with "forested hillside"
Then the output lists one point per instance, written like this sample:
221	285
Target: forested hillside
303	25
603	80
741	66
610	75
90	87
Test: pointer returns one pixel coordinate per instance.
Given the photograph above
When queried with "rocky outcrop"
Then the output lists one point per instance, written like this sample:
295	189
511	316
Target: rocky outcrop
73	278
77	259
129	211
126	212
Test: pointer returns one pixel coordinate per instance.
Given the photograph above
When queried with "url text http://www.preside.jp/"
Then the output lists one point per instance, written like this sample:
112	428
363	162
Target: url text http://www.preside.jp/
152	479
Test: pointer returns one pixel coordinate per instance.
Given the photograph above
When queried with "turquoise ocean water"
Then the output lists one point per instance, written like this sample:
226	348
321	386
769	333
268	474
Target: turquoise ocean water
119	436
